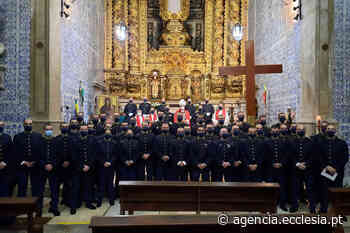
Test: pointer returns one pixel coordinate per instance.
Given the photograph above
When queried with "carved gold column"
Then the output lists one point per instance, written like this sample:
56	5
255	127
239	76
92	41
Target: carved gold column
118	46
209	17
233	51
244	23
218	35
108	39
134	47
143	35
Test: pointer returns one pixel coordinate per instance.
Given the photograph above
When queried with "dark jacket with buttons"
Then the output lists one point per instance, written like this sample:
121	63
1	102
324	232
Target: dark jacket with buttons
162	145
254	150
84	154
27	148
278	151
130	149
64	148
202	151
48	153
225	152
179	150
302	149
6	152
107	150
334	152
146	142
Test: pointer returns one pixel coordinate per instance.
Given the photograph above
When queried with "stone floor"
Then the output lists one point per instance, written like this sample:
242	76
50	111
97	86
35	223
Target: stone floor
79	223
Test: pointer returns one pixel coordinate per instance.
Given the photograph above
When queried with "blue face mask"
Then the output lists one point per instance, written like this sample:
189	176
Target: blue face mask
48	133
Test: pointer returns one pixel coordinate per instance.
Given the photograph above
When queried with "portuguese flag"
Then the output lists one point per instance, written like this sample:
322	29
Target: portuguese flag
265	94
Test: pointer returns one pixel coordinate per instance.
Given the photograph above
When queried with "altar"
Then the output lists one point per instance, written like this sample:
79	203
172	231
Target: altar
173	50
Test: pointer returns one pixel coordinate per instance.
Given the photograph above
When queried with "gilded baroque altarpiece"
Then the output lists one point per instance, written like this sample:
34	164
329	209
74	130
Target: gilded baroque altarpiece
179	61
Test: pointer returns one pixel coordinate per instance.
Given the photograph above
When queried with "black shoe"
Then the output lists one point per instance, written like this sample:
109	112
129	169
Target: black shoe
73	211
111	202
284	208
293	209
99	203
90	206
54	212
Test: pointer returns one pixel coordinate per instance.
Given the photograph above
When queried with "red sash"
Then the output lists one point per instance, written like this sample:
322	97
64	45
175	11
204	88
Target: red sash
217	114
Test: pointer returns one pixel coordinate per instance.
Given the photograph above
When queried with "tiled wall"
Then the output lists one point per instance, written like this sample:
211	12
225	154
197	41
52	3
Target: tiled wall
277	41
341	67
82	53
15	26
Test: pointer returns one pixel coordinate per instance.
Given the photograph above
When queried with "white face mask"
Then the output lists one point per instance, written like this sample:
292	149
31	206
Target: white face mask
139	113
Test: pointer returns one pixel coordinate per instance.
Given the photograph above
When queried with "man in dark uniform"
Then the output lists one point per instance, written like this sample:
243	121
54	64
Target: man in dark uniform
302	158
91	129
27	152
282	119
156	127
266	161
162	106
106	164
100	128
208	111
179	153
80	118
162	153
278	154
116	124
130	109
267	130
6	156
200	122
245	126
146	161
94	119
190	108
254	150
145	106
63	147
334	155
180	124
83	164
49	169
239	165
224	158
130	151
211	135
132	125
202	153
220	125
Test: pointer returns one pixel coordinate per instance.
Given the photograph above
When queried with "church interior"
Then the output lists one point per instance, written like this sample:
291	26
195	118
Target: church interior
239	63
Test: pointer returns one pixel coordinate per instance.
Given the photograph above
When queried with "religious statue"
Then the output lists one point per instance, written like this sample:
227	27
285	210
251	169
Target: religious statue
155	86
196	85
187	86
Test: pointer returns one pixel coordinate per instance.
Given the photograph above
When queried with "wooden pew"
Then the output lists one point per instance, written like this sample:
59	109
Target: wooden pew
193	224
18	206
197	196
339	199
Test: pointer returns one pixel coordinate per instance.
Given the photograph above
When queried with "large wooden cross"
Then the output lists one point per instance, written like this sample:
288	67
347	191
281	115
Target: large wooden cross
250	70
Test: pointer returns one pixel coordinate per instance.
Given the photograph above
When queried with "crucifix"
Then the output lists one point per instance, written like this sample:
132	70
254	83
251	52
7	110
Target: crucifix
250	70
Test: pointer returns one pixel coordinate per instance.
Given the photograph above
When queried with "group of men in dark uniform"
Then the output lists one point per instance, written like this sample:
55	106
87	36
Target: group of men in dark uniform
90	159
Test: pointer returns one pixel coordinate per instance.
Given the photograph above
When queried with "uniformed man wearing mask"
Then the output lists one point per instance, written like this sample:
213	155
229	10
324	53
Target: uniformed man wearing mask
49	163
130	152
107	154
6	158
146	162
179	152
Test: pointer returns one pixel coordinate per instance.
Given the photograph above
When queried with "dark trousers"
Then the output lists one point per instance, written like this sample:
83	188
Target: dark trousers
53	184
127	172
196	173
239	174
22	177
81	181
65	178
105	182
165	171
254	176
179	173
219	172
143	167
279	176
4	185
323	190
300	178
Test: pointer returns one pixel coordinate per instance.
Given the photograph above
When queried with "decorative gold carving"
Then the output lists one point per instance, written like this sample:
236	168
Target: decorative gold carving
182	15
218	35
183	72
134	48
